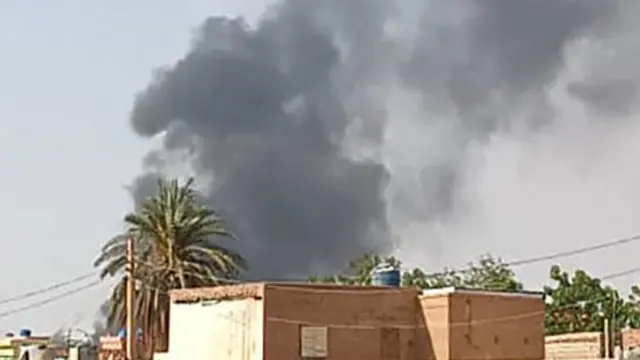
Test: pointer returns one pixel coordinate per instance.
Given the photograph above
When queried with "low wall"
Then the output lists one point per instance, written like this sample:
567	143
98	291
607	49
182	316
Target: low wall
587	345
630	339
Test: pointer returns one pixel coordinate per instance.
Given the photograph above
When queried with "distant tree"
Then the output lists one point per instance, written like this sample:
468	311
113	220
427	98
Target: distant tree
633	319
573	303
488	273
581	303
358	271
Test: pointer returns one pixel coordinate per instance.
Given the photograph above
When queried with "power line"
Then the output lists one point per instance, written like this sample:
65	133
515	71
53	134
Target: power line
50	299
513	263
621	274
578	251
553	256
46	289
311	290
408	326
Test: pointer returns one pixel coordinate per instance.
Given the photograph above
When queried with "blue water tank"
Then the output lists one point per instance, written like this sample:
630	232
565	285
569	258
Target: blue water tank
25	333
123	333
385	275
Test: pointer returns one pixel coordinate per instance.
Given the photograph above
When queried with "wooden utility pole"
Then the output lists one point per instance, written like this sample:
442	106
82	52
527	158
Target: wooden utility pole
131	322
607	339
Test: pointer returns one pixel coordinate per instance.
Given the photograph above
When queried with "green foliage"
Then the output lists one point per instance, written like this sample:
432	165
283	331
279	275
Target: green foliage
488	273
633	319
573	303
581	303
358	271
173	236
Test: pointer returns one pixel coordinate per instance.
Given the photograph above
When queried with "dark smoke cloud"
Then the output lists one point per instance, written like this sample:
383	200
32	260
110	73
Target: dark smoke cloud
271	121
266	110
514	47
477	63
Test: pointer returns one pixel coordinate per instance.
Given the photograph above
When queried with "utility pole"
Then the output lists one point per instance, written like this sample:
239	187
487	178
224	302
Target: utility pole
130	298
607	339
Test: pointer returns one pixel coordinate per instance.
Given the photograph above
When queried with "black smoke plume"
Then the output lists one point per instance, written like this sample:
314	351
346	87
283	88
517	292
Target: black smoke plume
288	117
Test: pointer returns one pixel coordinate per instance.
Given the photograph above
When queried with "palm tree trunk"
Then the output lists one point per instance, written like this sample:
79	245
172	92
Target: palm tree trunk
182	278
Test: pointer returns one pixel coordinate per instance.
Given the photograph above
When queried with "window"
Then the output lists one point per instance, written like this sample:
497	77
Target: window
390	343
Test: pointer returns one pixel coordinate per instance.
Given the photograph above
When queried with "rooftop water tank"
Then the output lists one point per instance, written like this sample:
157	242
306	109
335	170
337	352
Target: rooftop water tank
123	333
25	333
385	275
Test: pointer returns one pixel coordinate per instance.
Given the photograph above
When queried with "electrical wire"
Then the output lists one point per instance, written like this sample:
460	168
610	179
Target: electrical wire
50	299
299	322
46	289
460	323
553	256
488	320
621	274
563	254
431	323
511	264
514	263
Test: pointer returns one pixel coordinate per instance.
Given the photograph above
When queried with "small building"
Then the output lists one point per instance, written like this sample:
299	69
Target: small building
12	346
111	348
466	324
276	321
114	347
630	343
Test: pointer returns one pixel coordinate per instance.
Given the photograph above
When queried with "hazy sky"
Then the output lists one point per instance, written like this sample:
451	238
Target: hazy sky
68	76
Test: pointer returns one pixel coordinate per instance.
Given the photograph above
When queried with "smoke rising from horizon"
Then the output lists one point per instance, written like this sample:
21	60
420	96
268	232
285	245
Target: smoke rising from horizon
333	128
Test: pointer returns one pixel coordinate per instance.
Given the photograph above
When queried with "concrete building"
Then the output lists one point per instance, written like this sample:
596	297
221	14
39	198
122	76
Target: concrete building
12	346
630	340
275	321
38	347
111	348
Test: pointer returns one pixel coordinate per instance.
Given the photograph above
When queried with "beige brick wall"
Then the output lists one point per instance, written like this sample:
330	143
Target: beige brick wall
490	326
630	339
363	324
399	324
433	340
587	345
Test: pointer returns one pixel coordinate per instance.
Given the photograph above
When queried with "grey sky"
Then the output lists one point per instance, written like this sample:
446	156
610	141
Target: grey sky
69	72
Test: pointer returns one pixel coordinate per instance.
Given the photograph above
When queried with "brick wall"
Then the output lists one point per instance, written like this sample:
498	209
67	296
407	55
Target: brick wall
362	323
588	345
486	325
630	339
400	324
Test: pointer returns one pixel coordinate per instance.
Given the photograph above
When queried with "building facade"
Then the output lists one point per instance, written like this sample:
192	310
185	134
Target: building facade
11	347
275	321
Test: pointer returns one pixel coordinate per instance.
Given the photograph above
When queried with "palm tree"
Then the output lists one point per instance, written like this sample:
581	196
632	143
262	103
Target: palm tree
173	236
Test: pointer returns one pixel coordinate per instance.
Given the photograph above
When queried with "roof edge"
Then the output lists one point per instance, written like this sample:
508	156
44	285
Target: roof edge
461	290
224	292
